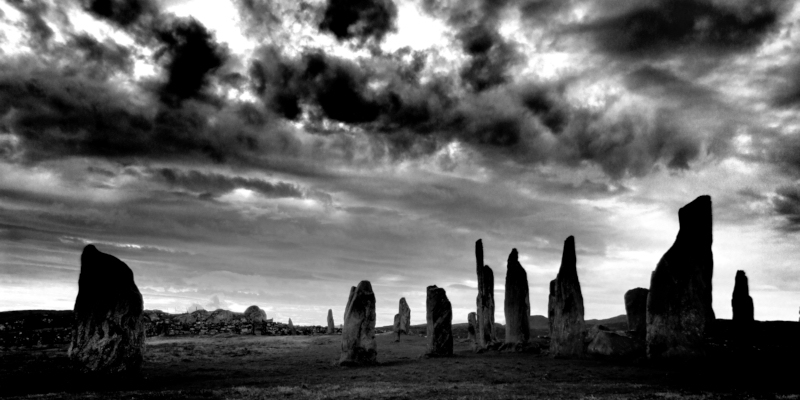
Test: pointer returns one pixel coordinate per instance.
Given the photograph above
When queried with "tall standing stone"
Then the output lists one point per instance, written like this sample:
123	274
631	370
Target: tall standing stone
439	314
517	303
108	334
472	321
551	302
397	327
679	311
358	330
405	316
484	329
636	309
292	331
331	328
741	302
567	325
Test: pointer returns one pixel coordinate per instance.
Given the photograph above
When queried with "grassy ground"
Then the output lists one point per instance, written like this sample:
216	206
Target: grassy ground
302	367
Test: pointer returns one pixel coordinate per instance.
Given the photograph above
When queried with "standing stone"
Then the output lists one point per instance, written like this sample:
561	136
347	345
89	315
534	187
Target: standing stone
484	328
331	329
397	327
405	317
472	320
636	309
551	302
256	317
567	325
517	303
679	311
358	330
741	302
439	314
108	333
292	331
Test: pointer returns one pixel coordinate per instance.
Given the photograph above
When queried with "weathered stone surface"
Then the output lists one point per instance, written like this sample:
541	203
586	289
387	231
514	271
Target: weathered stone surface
679	311
636	309
108	333
358	330
551	302
484	329
405	316
331	327
439	314
397	327
292	331
193	317
472	320
517	303
741	302
567	329
615	345
219	316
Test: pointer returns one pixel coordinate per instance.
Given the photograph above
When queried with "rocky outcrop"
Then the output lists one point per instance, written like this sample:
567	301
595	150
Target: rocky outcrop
679	311
405	316
439	314
255	316
472	321
636	309
741	302
358	330
484	329
108	333
615	345
567	325
397	327
220	316
331	328
517	303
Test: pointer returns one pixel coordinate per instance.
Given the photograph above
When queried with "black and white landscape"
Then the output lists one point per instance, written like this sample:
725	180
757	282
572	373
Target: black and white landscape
399	198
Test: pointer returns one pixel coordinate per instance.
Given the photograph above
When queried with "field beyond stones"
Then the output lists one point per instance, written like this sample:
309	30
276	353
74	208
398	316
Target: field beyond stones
301	367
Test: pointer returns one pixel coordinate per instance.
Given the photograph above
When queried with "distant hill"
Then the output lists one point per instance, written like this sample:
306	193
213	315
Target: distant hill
620	322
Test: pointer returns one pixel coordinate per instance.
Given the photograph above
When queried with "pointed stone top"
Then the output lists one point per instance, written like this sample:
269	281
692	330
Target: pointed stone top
364	286
695	221
568	260
513	256
741	282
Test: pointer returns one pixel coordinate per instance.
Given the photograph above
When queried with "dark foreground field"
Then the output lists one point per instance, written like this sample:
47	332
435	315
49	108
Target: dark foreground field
301	367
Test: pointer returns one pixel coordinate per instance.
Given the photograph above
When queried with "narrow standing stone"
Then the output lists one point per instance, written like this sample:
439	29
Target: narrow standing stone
331	328
517	303
567	332
292	331
108	334
741	302
679	310
472	320
439	314
636	309
397	327
405	316
484	329
358	330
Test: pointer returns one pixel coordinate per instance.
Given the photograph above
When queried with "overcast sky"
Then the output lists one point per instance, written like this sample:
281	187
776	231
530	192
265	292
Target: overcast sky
278	152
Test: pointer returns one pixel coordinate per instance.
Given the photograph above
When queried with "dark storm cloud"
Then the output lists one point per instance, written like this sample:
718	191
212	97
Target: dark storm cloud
662	27
217	184
361	19
786	203
124	13
192	55
106	57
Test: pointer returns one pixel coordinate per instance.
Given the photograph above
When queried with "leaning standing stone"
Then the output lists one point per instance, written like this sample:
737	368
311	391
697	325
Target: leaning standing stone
358	330
440	319
108	333
566	334
517	303
679	311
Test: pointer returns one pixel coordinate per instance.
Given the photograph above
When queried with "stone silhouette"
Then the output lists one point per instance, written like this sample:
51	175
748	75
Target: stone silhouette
255	316
636	309
405	317
484	329
358	330
567	325
551	302
292	331
108	331
396	327
439	314
741	302
517	303
331	329
679	311
472	320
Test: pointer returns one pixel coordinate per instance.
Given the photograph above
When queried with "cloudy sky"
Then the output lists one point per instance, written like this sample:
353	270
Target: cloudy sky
278	152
